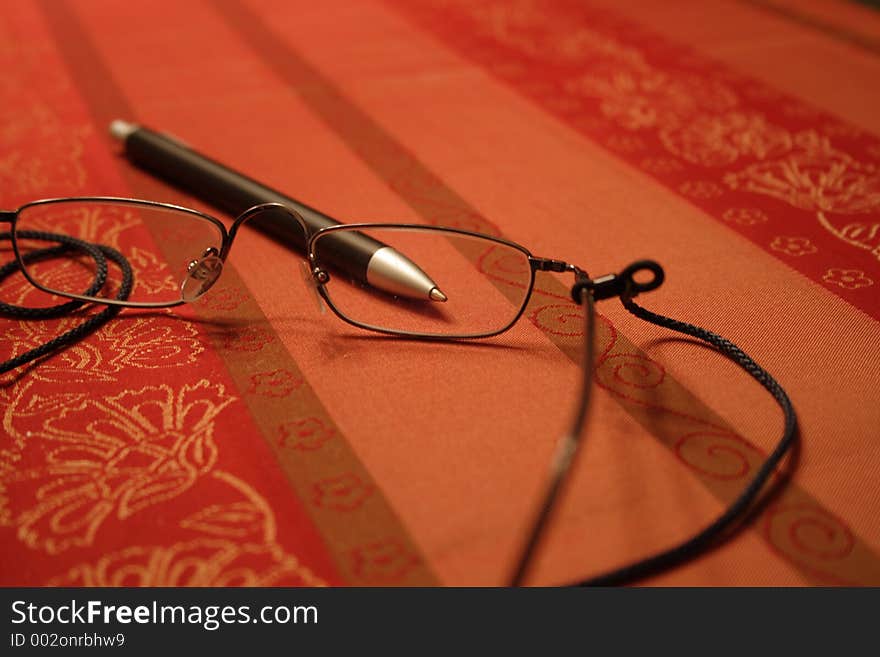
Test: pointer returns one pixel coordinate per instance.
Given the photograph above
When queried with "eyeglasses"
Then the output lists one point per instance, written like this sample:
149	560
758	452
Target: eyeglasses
142	254
71	248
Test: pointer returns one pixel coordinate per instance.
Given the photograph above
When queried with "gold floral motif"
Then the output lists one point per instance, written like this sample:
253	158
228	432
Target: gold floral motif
70	460
235	545
152	274
199	562
639	100
849	279
701	189
17	126
793	246
818	178
32	117
28	172
93	223
237	520
630	90
719	140
119	227
138	342
524	26
38	151
584	43
661	165
117	456
19	404
815	176
151	342
744	216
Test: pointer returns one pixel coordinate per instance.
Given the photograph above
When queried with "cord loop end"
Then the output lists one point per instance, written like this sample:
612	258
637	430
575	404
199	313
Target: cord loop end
618	285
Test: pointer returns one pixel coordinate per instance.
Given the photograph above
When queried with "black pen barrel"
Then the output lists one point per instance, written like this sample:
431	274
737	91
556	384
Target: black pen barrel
233	192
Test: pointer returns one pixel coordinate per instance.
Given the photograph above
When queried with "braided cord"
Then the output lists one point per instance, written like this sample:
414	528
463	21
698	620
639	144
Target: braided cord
624	285
100	254
714	531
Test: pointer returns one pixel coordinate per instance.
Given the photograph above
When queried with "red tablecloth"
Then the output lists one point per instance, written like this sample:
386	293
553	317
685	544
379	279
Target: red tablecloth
248	439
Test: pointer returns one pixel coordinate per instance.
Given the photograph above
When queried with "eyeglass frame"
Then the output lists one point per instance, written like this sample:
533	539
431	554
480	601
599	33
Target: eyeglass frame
319	275
585	292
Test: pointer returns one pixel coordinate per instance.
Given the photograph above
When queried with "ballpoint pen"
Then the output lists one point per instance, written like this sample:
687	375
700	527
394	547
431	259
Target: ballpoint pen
358	255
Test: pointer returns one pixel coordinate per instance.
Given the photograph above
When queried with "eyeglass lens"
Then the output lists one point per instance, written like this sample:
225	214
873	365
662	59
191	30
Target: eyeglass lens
172	253
483	284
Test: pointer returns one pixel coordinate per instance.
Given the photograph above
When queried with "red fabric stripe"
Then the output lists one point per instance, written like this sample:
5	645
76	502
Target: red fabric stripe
116	468
800	183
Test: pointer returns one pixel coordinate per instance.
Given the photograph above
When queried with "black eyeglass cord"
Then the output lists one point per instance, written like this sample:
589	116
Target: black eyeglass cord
585	292
100	254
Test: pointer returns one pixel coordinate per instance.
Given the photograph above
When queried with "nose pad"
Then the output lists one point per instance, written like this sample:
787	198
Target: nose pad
309	279
200	276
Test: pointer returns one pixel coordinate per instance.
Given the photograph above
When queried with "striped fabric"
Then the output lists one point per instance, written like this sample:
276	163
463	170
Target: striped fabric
249	440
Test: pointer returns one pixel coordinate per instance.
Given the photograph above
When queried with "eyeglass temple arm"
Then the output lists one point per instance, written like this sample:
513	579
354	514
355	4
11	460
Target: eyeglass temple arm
7	216
585	291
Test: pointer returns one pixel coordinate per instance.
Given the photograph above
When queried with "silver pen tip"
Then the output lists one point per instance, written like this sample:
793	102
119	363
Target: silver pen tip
122	129
437	295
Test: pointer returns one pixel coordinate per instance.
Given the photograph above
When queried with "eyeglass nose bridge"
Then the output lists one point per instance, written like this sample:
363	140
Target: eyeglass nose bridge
201	274
299	239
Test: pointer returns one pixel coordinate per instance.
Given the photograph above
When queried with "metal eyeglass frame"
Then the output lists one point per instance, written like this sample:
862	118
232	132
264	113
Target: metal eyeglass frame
585	292
319	275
